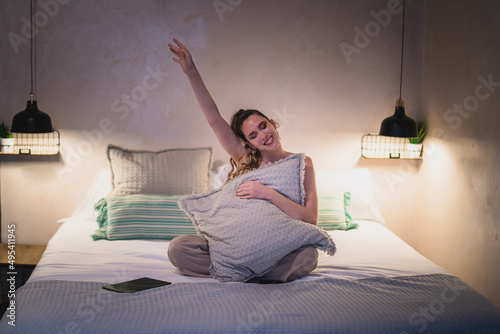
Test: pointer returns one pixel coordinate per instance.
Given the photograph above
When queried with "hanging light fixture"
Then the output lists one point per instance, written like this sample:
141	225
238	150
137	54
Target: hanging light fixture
399	125
32	120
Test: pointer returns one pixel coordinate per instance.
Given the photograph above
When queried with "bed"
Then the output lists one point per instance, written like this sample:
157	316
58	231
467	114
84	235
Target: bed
374	282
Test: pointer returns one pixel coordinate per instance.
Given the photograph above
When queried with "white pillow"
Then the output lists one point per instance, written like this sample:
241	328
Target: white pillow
101	187
362	187
218	176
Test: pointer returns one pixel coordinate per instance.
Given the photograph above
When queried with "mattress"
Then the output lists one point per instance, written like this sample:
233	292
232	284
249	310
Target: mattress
372	250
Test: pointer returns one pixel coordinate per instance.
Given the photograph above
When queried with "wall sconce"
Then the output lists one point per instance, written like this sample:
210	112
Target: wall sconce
32	120
393	140
32	128
399	125
384	147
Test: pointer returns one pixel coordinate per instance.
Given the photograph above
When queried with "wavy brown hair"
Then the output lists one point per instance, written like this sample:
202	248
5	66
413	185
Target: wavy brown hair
252	158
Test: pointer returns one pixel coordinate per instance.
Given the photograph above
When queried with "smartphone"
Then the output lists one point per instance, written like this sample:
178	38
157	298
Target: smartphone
136	285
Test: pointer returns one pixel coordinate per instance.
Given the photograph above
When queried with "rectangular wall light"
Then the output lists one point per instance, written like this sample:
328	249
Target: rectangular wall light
382	147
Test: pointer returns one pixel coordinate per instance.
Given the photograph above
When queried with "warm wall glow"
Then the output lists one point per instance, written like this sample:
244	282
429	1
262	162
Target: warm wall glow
437	155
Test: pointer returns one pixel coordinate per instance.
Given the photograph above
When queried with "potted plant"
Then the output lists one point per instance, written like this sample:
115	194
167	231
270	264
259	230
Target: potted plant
6	139
415	144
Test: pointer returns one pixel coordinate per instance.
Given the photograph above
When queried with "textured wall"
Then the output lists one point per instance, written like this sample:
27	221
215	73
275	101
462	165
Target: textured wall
327	71
459	223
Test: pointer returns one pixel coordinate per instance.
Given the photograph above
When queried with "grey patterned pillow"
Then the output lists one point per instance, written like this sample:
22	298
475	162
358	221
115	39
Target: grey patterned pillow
168	172
248	237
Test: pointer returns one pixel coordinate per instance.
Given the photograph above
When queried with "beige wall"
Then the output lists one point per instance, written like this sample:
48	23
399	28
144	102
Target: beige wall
283	57
95	65
458	225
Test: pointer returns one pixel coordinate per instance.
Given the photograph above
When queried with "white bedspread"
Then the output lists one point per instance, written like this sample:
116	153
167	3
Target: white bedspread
370	251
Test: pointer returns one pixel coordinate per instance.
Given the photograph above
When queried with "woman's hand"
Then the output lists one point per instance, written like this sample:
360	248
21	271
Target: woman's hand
307	212
183	56
230	142
253	189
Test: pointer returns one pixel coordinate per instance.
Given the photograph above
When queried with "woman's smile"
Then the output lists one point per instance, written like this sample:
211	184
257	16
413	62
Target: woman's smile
269	141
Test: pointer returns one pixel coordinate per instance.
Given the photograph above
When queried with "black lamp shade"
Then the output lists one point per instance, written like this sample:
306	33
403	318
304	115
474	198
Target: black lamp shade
32	120
399	125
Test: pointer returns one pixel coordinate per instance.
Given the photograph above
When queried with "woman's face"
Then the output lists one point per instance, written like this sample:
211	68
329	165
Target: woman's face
261	133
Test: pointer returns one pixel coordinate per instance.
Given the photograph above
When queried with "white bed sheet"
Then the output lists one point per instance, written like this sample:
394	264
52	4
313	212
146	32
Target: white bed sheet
369	251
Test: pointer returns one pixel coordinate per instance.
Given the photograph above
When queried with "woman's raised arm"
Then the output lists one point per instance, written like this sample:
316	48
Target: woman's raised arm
233	145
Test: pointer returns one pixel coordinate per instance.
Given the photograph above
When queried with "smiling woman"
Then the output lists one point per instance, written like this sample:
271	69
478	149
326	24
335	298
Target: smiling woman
252	142
262	136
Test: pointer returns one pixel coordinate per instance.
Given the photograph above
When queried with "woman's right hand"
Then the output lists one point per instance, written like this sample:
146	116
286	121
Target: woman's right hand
231	143
183	56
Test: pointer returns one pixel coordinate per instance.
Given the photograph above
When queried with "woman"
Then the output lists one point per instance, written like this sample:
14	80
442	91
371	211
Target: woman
252	141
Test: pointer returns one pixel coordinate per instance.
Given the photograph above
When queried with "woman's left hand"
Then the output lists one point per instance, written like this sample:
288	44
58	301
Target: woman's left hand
253	189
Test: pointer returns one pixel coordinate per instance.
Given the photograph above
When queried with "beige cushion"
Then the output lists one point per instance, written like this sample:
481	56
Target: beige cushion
180	171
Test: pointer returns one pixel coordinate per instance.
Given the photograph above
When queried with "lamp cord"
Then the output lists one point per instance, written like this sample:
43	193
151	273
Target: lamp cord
402	48
33	49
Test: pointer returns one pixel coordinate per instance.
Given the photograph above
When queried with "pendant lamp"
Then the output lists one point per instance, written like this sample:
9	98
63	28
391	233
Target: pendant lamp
32	120
399	125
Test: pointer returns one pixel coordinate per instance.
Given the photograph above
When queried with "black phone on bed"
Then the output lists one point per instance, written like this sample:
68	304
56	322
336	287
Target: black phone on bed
136	285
